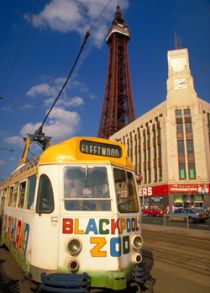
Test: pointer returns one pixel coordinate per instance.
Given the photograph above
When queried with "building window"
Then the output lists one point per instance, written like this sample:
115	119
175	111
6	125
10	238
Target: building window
182	171
188	127
145	176
179	128
186	112
160	173
208	118
180	147
190	147
155	174
178	113
191	170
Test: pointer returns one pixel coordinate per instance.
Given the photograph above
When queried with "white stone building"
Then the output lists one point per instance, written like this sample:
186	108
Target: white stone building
170	144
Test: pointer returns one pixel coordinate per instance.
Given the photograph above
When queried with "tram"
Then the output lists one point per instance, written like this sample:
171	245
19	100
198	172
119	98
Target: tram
71	216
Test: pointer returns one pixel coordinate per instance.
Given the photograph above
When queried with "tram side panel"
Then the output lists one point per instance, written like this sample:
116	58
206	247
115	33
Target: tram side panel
17	214
45	228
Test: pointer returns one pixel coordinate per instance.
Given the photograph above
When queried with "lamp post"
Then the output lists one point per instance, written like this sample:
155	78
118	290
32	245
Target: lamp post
202	190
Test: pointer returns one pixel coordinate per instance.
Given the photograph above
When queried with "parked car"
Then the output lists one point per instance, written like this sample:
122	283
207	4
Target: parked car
194	214
154	212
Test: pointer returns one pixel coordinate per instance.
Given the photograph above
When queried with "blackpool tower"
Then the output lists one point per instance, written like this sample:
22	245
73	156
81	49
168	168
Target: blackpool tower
118	109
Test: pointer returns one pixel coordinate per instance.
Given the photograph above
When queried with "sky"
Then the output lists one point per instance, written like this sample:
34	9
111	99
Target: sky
39	43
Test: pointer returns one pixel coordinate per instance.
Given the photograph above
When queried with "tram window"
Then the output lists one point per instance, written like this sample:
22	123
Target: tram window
22	190
126	192
31	184
45	200
86	189
5	199
1	201
14	195
1	196
10	195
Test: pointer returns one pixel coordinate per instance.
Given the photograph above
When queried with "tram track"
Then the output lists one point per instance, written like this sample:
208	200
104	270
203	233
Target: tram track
197	265
179	255
179	251
8	284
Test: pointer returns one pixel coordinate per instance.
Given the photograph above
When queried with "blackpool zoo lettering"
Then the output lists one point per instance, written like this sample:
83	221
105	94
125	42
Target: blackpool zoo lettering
118	245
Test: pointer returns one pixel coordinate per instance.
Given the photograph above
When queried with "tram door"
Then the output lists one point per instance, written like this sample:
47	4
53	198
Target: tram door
45	228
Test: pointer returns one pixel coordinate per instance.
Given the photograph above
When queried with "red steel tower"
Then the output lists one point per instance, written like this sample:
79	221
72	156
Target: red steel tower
118	109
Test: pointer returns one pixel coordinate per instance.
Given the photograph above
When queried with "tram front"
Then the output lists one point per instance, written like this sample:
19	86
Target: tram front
100	231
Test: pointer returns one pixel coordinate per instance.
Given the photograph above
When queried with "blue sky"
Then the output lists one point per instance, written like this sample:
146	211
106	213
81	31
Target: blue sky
36	56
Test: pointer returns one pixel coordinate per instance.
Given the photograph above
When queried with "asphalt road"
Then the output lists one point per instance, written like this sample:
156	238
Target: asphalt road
179	261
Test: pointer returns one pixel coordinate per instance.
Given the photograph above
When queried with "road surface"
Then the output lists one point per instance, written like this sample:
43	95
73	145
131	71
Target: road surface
180	262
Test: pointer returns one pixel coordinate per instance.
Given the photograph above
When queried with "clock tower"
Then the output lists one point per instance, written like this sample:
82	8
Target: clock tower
180	82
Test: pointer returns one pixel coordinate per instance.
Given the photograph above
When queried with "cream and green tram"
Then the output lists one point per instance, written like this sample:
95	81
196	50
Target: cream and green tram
72	217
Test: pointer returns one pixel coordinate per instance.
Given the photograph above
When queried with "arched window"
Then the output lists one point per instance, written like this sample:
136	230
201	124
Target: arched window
45	198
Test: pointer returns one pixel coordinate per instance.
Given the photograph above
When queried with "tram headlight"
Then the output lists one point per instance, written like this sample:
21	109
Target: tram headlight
136	258
74	246
73	265
137	242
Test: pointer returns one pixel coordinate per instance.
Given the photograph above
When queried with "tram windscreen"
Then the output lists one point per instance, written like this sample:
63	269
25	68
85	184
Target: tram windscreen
86	189
127	200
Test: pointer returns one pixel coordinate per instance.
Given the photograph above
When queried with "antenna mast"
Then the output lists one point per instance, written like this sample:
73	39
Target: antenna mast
177	42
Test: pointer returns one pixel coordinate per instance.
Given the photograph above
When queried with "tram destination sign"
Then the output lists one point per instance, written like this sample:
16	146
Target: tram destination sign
100	149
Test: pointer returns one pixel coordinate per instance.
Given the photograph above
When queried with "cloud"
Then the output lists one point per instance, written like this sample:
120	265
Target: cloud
50	90
24	106
2	162
61	125
14	140
29	128
74	102
77	16
41	89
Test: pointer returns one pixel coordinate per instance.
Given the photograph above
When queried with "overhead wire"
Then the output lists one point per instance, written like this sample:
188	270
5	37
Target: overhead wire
19	50
66	81
87	34
6	149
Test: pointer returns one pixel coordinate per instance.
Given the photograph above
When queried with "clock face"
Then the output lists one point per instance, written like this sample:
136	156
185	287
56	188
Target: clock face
178	64
180	83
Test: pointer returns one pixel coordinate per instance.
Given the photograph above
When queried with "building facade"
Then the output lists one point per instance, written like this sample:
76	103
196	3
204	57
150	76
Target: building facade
170	144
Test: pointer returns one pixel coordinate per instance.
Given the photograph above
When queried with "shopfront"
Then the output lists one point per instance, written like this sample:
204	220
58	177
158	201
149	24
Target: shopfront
175	195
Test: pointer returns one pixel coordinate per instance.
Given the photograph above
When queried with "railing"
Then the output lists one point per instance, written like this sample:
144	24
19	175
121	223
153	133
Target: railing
179	222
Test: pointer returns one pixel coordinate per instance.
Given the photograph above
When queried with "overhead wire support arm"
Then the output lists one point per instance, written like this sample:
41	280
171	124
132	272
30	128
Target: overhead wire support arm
38	135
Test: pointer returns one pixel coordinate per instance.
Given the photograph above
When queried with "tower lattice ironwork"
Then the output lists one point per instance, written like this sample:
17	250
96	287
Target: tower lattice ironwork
118	109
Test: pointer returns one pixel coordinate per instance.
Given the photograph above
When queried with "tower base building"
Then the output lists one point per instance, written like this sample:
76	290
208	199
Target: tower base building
170	144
